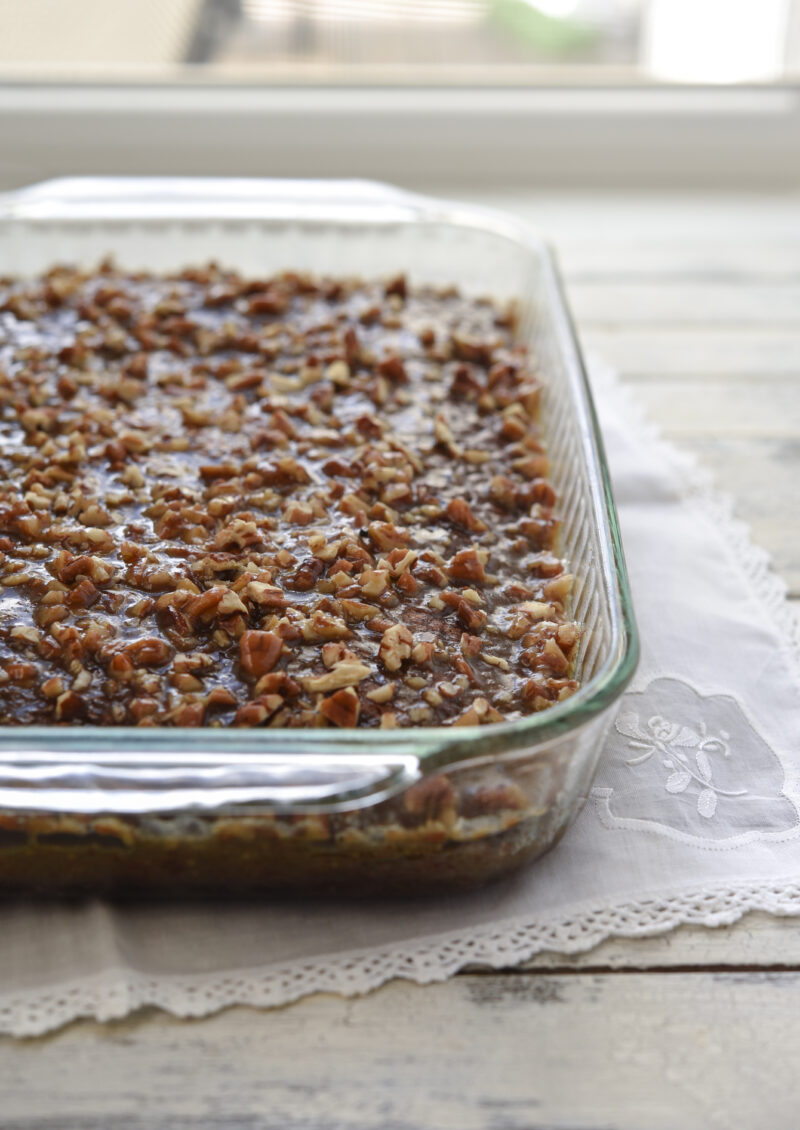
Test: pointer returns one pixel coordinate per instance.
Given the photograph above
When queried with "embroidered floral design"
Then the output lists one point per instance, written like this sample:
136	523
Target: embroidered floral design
715	783
686	754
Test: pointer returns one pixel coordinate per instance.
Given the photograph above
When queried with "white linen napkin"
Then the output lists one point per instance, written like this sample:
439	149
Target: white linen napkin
694	815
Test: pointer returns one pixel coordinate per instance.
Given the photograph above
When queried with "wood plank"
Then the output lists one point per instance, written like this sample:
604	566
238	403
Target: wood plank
746	434
762	475
698	353
757	940
675	261
751	450
614	236
477	1053
720	406
606	304
597	216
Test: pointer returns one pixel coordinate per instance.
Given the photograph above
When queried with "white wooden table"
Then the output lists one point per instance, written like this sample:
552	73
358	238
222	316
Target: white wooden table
697	302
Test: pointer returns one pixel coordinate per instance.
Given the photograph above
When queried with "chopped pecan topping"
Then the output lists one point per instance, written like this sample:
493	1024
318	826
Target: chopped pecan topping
220	497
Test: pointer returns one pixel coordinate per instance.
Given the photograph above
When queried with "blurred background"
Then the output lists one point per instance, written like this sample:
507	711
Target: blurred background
613	91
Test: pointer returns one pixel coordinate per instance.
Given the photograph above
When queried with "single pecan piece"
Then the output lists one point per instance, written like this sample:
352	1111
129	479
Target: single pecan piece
468	348
84	595
322	626
70	705
220	698
559	588
397	286
204	607
471	645
298	513
346	673
210	472
387	536
352	346
538	492
394	369
515	426
52	688
357	609
554	657
539	533
432	798
238	535
259	652
20	672
369	426
532	466
148	652
502	492
190	713
466	565
465	384
306	575
408	584
382	693
395	647
373	582
251	714
473	619
333	653
342	709
567	636
460	514
142	707
269	596
422	652
277	682
120	667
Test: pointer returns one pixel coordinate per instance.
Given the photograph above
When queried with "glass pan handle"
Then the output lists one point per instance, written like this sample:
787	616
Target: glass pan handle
71	782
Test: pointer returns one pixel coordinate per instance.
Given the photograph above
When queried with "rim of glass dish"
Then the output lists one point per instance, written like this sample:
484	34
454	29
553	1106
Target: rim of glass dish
434	746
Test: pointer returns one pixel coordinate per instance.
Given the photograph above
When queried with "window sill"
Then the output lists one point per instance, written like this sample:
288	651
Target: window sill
645	136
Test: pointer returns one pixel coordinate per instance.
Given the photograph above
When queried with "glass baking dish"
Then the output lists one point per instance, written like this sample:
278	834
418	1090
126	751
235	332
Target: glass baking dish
162	810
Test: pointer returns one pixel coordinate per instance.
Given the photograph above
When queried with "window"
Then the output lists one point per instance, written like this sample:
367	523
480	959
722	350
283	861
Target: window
400	41
658	93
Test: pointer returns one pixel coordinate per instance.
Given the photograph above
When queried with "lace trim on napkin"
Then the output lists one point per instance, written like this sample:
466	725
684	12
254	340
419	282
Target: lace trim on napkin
115	994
